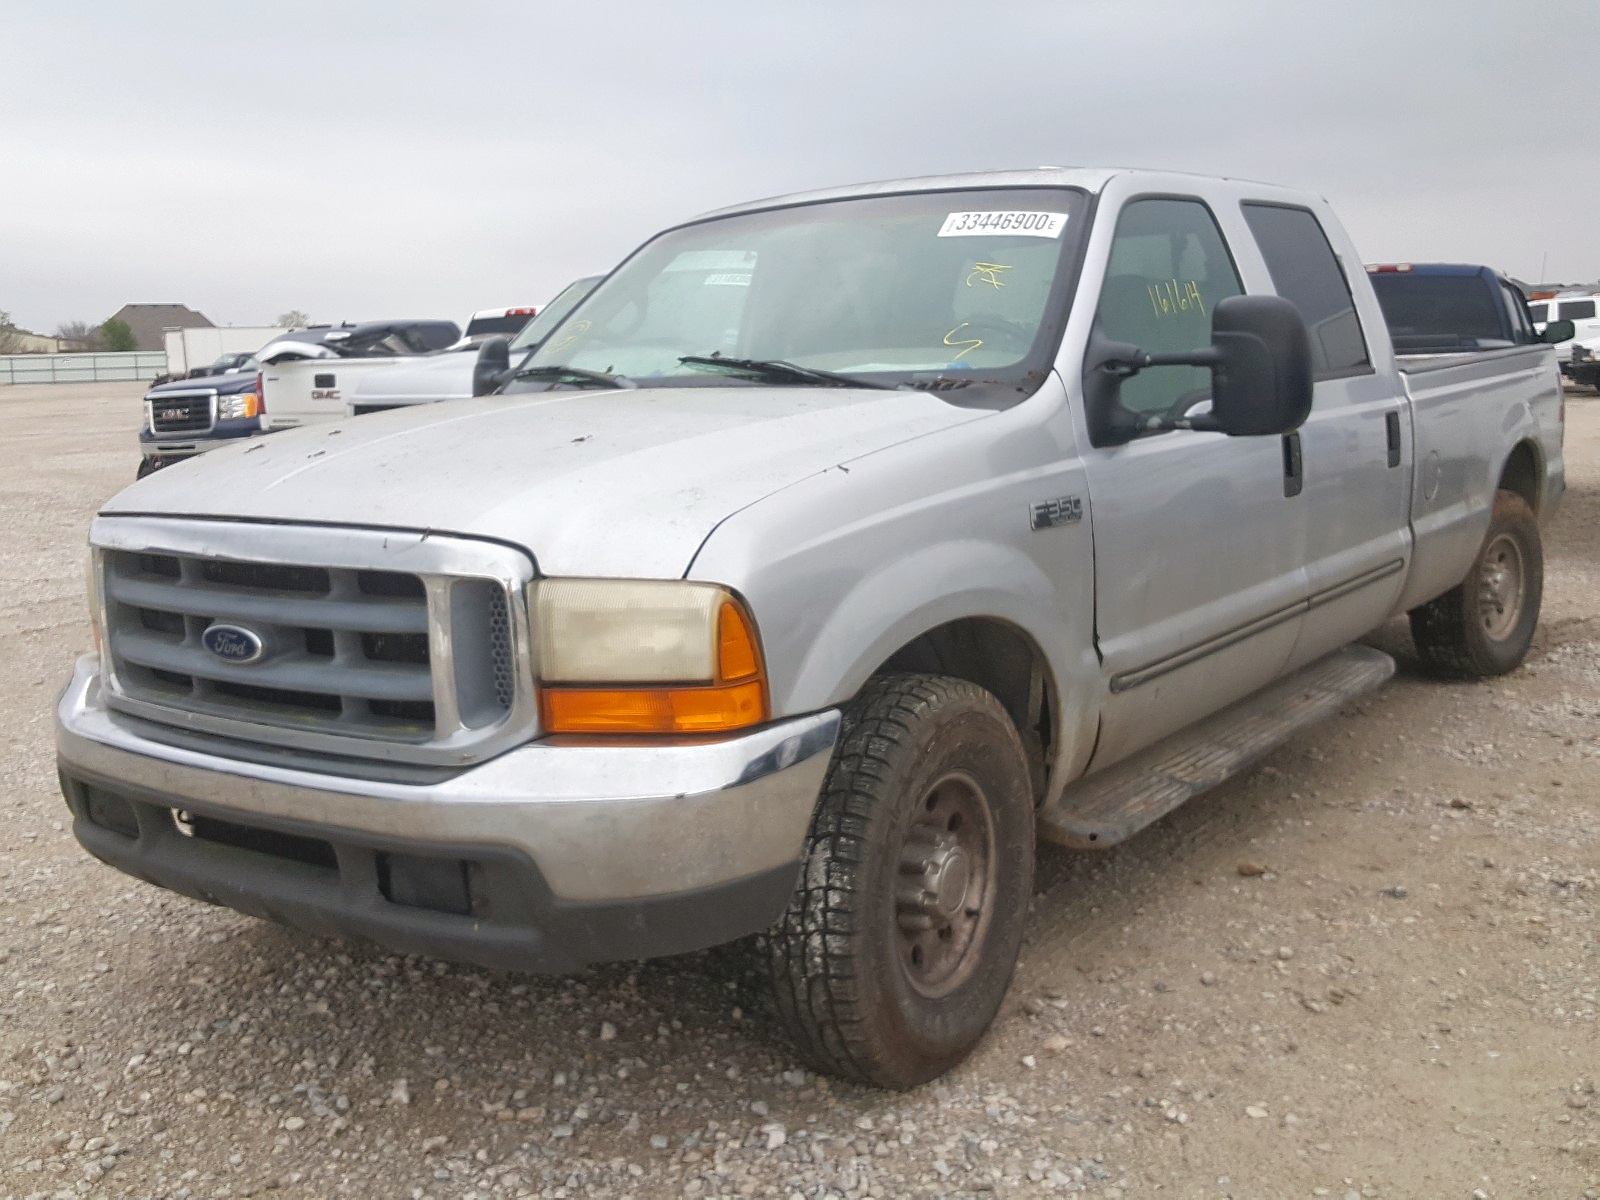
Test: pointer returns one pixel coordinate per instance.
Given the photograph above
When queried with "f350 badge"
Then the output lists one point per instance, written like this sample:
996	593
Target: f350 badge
1063	510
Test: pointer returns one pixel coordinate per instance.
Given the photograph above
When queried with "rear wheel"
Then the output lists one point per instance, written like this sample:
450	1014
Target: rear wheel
1484	625
899	943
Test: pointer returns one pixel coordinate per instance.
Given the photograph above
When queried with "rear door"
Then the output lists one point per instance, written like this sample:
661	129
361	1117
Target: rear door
1355	448
1199	538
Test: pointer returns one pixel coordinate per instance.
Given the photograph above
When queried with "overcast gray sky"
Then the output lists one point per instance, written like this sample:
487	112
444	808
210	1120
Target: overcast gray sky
361	160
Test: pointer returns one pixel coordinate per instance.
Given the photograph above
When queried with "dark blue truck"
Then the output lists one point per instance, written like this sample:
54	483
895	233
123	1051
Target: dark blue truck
1445	308
189	416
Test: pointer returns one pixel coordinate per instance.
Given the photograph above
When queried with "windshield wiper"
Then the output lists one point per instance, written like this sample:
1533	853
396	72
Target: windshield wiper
776	370
573	374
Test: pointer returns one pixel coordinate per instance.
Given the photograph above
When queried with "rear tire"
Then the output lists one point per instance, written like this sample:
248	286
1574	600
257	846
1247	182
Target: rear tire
900	941
1484	625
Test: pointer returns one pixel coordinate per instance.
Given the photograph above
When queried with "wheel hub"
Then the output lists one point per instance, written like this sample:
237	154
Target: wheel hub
1500	586
944	884
935	878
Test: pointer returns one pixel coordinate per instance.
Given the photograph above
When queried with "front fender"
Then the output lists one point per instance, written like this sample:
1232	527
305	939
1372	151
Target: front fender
897	601
849	566
902	599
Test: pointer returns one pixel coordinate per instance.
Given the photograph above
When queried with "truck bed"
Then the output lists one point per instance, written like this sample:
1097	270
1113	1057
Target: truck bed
1459	404
1487	362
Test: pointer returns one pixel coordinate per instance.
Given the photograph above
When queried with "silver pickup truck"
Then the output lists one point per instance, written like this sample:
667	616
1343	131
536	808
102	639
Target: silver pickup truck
831	551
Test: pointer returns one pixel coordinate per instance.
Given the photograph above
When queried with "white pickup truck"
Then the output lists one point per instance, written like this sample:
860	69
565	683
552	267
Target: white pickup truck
834	548
449	376
305	384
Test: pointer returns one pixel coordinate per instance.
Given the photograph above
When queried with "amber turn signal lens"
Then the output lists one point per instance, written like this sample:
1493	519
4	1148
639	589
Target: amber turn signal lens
737	656
654	710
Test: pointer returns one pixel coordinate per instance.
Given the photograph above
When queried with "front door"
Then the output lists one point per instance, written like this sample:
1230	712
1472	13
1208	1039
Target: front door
1199	551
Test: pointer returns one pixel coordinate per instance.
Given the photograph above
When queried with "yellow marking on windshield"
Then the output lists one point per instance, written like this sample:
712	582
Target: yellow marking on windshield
988	273
579	328
971	344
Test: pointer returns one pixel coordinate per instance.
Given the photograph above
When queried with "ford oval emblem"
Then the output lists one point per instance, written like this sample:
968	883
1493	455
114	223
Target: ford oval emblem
233	643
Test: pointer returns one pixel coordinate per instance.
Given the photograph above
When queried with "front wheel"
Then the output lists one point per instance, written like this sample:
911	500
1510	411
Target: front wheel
900	941
1484	625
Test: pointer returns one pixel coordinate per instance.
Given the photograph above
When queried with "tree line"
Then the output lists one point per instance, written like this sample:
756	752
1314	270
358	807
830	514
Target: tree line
111	335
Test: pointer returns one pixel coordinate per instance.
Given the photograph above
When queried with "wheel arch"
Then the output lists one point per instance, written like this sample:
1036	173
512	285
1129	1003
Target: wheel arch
1523	473
1005	627
1004	660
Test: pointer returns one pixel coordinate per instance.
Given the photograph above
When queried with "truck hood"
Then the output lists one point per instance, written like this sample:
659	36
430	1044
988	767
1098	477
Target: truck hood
617	483
223	385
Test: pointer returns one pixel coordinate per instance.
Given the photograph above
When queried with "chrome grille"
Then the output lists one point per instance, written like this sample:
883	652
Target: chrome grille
341	646
416	665
182	414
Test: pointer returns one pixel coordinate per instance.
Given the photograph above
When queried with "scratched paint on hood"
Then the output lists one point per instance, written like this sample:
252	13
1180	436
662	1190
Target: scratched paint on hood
590	483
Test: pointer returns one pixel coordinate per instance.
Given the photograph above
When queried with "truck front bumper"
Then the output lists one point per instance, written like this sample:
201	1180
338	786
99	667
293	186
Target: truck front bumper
544	859
166	449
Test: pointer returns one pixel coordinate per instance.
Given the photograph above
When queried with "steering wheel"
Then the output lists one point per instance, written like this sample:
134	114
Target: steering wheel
1188	400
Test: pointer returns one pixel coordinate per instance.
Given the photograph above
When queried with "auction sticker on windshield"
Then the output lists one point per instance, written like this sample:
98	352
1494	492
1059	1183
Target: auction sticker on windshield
978	224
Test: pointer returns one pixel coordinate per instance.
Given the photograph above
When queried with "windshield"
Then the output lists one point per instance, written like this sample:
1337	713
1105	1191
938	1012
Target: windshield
932	288
552	314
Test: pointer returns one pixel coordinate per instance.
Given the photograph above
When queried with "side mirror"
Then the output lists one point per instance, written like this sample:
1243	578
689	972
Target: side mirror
491	367
1262	383
1558	331
1260	362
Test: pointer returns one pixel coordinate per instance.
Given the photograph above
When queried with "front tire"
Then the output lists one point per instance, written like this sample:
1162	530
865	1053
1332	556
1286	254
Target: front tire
1484	625
900	941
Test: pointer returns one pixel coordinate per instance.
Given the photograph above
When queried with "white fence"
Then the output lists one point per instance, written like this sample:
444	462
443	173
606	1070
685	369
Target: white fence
82	368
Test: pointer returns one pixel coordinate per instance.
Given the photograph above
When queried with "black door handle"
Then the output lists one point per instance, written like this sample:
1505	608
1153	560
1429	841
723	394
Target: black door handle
1391	422
1294	476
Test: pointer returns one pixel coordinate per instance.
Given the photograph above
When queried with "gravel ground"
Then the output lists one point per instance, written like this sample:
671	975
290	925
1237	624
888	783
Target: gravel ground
1370	967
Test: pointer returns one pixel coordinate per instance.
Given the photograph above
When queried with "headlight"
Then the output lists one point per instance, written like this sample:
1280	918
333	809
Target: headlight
645	656
233	408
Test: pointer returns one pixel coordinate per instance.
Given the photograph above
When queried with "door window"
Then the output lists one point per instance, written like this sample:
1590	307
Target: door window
1169	267
1306	272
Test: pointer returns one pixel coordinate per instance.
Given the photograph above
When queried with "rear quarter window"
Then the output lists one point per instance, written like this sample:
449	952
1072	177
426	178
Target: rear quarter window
1577	310
1306	272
